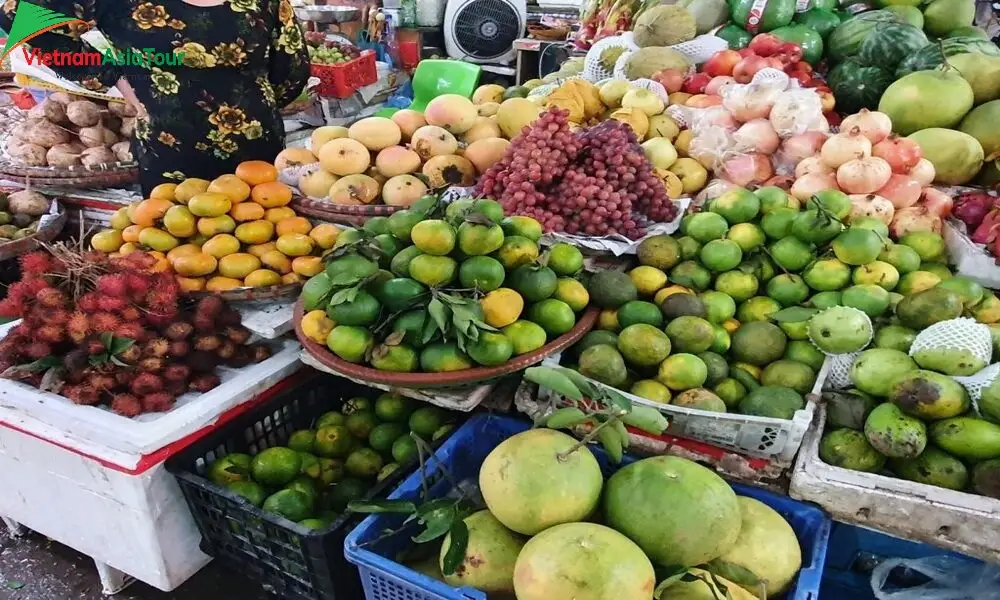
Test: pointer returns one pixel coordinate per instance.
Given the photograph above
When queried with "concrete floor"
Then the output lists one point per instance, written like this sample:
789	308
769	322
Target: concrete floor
33	567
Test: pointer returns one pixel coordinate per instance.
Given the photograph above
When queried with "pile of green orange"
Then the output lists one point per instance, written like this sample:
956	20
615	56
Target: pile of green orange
319	470
437	289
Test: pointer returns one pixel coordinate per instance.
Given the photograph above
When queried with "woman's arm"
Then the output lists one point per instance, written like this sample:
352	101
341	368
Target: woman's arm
95	76
289	68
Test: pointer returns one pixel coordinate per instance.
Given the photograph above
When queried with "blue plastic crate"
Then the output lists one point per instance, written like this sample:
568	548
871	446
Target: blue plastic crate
463	454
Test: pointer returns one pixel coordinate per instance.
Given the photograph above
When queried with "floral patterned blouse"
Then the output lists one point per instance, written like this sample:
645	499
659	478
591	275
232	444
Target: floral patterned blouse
239	62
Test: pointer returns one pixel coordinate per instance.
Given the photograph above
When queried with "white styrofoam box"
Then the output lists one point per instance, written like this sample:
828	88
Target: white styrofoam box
970	259
965	523
99	432
269	320
137	524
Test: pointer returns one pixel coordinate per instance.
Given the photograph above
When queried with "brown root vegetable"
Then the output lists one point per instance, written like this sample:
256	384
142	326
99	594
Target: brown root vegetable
60	97
99	135
122	109
123	151
83	113
49	110
64	155
26	153
128	127
46	134
100	155
27	202
113	123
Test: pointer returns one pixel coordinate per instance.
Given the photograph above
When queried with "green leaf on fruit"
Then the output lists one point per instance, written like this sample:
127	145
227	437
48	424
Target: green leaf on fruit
554	380
794	314
119	345
459	542
437	523
344	296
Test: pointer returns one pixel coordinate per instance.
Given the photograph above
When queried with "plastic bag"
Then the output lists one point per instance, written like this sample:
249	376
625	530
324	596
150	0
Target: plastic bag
798	111
950	579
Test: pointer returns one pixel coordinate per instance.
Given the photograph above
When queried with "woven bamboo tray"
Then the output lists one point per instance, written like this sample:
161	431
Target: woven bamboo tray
44	234
341	213
272	293
110	175
436	380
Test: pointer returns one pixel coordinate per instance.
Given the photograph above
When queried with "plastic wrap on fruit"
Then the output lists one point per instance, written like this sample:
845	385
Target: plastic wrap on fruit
713	117
798	111
753	100
744	170
710	146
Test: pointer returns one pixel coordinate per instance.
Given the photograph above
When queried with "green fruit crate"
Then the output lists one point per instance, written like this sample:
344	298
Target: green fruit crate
957	521
287	559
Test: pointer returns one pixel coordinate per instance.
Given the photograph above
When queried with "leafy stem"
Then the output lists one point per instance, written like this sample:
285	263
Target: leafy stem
591	435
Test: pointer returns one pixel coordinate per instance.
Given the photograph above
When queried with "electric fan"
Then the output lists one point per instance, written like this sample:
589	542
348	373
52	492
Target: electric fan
483	31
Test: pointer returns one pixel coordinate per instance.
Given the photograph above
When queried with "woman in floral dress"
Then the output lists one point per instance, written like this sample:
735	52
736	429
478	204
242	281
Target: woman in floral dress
240	61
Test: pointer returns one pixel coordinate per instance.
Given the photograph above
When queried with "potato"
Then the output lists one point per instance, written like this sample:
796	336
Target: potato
128	127
99	135
61	98
28	154
123	150
27	202
64	155
46	134
122	109
83	113
97	156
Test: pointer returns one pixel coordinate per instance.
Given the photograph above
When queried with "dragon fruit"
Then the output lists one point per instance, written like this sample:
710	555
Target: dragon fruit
972	207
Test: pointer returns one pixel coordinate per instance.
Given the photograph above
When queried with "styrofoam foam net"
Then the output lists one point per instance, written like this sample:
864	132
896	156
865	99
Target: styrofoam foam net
839	376
592	69
975	384
957	334
701	48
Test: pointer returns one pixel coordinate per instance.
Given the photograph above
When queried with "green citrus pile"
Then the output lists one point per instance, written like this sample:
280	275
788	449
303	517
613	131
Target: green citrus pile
435	290
319	470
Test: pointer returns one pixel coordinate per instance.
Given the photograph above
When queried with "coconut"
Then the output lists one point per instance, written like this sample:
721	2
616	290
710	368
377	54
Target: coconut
26	153
98	135
64	155
46	134
49	110
664	25
646	62
83	113
96	156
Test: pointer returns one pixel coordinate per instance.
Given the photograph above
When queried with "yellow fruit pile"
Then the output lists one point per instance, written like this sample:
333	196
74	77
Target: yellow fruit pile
235	231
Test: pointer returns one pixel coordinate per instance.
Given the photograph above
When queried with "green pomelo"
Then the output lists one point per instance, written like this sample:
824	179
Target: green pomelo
904	258
603	363
895	434
660	251
531	481
611	289
643	345
788	290
928	395
689	246
827	275
825	300
594	338
917	281
857	246
869	298
816	227
758	343
700	399
747	235
772	198
682	372
834	201
490	555
758	308
639	311
718	306
583	561
766	550
791	254
849	449
840	330
706	226
805	353
698	584
691	274
738	205
737	285
679	305
983	74
874	370
650	389
926	99
721	255
790	374
704	520
777	224
718	368
943	16
877	273
933	467
721	342
923	309
730	391
772	401
690	334
956	156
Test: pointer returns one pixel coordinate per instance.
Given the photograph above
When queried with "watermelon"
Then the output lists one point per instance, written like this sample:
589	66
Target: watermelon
821	20
929	56
848	36
857	86
737	37
889	44
775	14
824	4
806	37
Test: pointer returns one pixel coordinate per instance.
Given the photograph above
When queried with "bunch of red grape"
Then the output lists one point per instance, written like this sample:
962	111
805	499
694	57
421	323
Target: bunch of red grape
597	182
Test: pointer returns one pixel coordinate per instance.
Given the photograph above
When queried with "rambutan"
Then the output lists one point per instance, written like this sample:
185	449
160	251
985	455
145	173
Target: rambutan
37	350
241	358
176	372
75	361
115	284
104	321
35	285
131	354
146	383
178	331
78	327
20	292
227	350
130	313
36	263
126	405
89	303
138	284
130	330
159	299
208	343
11	307
51	334
205	383
82	394
123	377
158	402
111	303
259	353
179	348
54	316
177	388
238	335
210	306
229	318
156	347
203	323
51	298
94	346
102	382
151	364
201	361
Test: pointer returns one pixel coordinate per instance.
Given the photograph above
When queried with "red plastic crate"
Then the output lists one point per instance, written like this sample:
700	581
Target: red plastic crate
342	80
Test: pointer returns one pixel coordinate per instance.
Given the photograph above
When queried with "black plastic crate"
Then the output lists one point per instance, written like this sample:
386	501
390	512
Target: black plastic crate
288	560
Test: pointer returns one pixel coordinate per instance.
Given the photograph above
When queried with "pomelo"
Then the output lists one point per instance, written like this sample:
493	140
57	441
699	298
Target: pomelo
490	555
703	585
529	484
956	156
583	561
766	551
926	99
702	524
981	123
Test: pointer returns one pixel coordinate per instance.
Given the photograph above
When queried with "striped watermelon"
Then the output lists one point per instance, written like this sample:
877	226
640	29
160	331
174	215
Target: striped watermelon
848	36
857	86
889	44
929	56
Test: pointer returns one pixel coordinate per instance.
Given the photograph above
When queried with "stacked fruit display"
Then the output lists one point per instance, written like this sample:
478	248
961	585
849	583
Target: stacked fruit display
396	161
710	534
312	478
432	292
235	231
908	413
979	212
329	52
109	330
66	130
20	213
